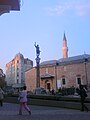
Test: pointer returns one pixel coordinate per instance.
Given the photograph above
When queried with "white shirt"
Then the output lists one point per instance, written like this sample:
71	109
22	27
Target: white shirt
23	96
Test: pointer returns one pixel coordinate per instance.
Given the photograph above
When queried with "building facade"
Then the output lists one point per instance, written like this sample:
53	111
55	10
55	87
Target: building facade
66	72
69	72
15	70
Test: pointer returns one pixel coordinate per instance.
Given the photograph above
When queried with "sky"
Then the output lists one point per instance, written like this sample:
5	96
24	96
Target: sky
44	22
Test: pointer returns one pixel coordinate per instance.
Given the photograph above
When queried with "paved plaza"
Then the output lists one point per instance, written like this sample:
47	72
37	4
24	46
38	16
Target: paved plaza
9	111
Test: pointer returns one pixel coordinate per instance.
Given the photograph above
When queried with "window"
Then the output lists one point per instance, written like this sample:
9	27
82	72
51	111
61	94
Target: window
78	80
17	68
17	74
17	81
63	81
22	75
17	61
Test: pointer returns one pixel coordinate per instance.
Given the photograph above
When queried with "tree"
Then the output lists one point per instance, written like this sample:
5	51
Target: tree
2	81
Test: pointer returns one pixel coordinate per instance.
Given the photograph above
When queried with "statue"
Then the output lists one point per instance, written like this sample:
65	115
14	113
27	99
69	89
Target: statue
37	49
37	62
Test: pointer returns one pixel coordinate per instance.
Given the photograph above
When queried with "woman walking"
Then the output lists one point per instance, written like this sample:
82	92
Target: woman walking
23	101
83	96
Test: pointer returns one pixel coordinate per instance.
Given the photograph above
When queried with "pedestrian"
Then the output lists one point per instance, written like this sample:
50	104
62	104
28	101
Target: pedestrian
1	97
53	92
83	96
23	101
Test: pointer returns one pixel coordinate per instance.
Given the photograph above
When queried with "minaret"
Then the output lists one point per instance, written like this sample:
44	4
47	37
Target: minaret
64	47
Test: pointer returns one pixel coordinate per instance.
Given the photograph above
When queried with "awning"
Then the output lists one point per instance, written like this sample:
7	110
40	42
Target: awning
47	76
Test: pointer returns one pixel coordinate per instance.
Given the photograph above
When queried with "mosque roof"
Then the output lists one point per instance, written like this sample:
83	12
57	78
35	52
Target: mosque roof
69	60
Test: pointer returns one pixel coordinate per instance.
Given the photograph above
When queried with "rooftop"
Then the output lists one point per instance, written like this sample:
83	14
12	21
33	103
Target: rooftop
69	60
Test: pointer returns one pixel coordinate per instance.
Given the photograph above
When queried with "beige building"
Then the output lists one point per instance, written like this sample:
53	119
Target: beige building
65	72
15	70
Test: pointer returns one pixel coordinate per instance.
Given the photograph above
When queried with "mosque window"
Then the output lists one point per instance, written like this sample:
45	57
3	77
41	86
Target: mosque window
78	80
63	81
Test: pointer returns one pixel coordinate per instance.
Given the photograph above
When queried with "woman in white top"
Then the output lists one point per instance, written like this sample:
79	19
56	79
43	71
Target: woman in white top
23	101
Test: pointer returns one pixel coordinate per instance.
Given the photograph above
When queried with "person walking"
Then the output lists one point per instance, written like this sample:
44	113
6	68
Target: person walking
23	101
83	96
1	97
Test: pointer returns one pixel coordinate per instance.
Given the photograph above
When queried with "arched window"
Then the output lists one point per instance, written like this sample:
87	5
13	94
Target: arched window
78	79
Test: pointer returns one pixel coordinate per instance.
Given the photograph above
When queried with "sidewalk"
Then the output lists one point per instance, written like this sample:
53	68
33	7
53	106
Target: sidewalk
9	111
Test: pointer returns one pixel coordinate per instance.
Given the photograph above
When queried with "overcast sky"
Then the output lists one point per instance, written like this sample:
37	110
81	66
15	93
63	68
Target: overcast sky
44	22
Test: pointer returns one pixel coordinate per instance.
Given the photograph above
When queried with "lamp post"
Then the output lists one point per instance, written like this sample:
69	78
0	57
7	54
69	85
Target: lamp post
57	63
38	66
85	62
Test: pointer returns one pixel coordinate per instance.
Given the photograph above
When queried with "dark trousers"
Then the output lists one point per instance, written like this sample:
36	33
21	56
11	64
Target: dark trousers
83	106
1	103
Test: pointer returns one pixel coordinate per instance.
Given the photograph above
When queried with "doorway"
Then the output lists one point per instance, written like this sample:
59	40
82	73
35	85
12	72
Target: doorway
48	86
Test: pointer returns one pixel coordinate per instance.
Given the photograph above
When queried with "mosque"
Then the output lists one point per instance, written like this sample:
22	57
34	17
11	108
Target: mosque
66	72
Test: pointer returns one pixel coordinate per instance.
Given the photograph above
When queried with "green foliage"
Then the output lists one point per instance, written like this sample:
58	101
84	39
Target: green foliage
66	91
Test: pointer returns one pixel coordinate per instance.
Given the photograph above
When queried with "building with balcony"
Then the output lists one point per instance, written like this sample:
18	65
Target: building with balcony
15	70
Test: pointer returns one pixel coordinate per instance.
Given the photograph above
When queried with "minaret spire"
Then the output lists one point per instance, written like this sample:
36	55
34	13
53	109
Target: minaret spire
64	47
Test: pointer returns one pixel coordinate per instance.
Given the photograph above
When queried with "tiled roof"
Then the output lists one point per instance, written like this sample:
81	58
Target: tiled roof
50	62
69	60
79	57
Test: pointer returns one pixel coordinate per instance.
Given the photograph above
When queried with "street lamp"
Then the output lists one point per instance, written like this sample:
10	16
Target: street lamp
57	63
85	61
